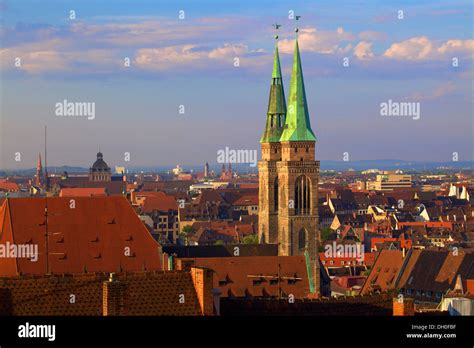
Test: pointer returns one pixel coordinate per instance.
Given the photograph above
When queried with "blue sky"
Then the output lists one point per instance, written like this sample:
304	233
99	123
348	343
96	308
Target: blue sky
190	62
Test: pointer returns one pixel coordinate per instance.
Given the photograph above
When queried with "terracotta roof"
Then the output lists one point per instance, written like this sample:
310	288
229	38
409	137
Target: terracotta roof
145	293
8	186
257	276
111	187
247	200
82	192
384	272
92	236
404	243
436	270
161	202
337	261
209	195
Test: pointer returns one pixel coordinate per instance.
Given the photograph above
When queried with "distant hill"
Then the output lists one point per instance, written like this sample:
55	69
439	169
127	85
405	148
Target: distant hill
387	164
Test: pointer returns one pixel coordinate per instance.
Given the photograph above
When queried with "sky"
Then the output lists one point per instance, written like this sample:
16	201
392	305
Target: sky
200	71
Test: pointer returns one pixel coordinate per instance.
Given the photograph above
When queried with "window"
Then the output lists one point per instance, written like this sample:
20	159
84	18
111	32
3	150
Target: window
438	294
429	293
409	291
302	240
331	262
302	195
275	195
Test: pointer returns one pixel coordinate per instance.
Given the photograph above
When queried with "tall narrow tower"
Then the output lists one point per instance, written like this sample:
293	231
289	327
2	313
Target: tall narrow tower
298	173
39	177
271	153
289	174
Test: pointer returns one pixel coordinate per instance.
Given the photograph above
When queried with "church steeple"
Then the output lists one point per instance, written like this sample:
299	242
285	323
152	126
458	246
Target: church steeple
39	178
297	126
276	104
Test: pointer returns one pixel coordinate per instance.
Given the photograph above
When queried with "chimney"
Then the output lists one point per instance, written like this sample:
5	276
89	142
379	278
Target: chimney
113	296
203	282
403	307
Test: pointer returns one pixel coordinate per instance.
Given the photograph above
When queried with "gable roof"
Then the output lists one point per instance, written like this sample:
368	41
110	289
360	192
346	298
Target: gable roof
436	270
92	236
256	276
384	272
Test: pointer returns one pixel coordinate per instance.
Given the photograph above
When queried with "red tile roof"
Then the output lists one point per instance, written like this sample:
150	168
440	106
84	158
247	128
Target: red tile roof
145	293
82	192
8	186
384	272
160	201
257	276
247	200
100	234
436	270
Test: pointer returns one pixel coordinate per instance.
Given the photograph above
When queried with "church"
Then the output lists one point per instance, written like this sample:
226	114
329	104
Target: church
289	173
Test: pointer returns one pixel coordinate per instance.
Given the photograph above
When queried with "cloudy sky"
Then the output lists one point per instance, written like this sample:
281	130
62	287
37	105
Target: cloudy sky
183	55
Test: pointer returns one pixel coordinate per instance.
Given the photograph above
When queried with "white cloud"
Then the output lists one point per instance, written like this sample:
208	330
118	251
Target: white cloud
314	40
363	50
193	56
422	48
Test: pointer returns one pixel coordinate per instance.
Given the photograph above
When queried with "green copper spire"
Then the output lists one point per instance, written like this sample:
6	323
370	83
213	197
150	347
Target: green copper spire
297	126
276	105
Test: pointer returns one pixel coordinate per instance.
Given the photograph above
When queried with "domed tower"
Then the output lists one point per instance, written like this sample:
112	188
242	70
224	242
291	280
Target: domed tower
100	171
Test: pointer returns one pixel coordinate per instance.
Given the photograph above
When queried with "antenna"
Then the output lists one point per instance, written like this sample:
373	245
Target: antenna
46	159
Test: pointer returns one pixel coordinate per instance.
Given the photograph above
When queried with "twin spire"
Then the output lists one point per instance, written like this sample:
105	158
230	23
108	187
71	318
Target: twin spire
292	124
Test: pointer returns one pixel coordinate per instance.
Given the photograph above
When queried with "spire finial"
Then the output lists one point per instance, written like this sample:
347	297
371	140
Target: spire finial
276	26
297	18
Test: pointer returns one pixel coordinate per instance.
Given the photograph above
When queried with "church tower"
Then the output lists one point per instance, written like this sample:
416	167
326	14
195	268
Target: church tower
289	174
39	177
271	153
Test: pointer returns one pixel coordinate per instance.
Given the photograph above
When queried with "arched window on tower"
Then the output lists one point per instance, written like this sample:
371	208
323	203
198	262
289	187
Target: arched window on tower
275	195
302	195
302	240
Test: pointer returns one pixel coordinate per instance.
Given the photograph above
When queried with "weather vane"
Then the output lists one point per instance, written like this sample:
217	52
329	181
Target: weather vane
297	18
276	26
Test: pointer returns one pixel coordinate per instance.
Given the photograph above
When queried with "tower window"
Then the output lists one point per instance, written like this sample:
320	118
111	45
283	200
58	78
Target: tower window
302	240
275	195
302	195
296	149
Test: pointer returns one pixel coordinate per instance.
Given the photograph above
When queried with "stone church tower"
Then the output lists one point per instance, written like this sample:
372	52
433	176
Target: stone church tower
289	173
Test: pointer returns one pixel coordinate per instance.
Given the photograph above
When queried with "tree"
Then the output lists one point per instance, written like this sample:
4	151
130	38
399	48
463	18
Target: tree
187	229
219	242
251	239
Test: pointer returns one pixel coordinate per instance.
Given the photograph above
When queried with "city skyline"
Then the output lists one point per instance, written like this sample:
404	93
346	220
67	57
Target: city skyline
188	65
